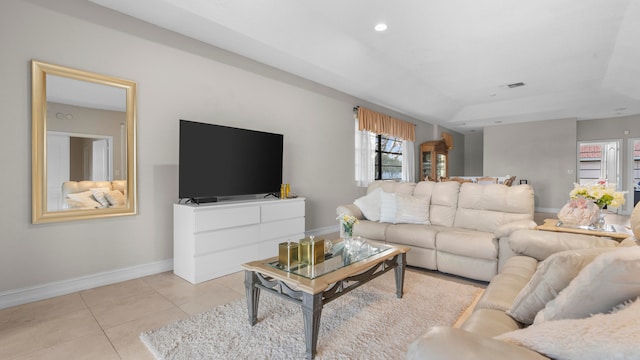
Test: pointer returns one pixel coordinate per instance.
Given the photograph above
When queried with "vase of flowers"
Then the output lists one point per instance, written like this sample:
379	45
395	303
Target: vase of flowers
346	225
601	194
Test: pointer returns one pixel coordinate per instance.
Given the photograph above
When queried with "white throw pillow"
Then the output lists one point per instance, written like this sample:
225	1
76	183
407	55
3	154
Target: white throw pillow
99	195
86	198
370	205
115	198
601	336
388	207
412	209
612	278
551	277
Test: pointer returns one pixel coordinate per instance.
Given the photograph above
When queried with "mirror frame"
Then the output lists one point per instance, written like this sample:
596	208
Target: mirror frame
39	213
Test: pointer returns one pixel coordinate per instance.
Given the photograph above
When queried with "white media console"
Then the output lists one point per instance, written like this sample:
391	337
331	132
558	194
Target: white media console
212	240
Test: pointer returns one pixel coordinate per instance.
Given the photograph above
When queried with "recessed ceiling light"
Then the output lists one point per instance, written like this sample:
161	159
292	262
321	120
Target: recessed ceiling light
381	27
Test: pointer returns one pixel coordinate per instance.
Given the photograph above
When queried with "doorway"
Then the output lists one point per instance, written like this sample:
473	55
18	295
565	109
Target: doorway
598	160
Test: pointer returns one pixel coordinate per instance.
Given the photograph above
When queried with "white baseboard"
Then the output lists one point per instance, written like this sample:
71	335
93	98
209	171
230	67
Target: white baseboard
46	291
323	231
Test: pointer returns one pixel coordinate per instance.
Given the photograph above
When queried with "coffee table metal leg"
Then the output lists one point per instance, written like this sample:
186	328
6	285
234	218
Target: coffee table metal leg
401	260
253	295
311	310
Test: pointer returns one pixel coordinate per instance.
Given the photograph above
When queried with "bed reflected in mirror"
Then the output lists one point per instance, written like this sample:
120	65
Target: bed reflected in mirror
83	144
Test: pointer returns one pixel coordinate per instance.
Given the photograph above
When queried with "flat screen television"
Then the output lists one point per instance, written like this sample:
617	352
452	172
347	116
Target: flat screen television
218	161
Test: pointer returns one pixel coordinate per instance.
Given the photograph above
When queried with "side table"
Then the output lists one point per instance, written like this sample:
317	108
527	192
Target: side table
615	234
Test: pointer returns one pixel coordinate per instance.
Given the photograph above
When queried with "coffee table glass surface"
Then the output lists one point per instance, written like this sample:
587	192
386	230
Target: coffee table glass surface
336	259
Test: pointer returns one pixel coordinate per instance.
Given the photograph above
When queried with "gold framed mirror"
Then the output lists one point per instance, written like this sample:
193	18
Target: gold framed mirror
83	149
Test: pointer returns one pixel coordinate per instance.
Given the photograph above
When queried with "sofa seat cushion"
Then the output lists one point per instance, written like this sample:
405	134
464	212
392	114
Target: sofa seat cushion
489	323
469	243
412	235
501	291
370	230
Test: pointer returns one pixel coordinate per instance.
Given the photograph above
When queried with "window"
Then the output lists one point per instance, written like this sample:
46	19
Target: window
388	162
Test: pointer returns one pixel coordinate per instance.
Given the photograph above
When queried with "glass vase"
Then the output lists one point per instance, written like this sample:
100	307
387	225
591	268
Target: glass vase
600	221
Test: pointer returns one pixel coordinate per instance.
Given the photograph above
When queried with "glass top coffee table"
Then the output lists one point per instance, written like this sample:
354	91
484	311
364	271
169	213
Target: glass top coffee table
313	286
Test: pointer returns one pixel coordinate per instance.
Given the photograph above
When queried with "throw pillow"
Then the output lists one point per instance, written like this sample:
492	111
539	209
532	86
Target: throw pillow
388	207
370	205
612	278
86	198
551	277
601	336
115	198
99	195
412	209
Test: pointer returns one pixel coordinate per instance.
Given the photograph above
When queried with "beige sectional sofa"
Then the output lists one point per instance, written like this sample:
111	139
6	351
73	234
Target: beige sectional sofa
453	228
541	303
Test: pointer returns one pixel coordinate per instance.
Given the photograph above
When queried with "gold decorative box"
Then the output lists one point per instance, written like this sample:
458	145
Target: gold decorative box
311	251
288	254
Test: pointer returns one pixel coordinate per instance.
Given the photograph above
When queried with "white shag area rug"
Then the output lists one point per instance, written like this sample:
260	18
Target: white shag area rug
366	323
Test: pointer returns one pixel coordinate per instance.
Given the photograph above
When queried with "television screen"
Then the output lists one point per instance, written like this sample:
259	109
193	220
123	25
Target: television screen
217	161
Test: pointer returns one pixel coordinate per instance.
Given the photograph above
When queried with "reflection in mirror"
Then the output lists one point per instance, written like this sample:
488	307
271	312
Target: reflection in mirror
83	144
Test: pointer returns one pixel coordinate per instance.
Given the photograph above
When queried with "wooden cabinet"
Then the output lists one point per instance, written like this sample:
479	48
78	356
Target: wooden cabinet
213	240
434	158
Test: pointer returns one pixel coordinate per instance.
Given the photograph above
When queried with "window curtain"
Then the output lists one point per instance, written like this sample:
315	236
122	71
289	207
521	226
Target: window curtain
369	123
365	156
408	161
378	123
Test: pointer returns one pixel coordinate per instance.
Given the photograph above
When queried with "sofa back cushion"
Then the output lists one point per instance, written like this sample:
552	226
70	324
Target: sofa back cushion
487	207
391	186
444	200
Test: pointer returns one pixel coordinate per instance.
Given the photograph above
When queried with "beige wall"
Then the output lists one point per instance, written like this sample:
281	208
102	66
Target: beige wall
177	78
473	157
542	152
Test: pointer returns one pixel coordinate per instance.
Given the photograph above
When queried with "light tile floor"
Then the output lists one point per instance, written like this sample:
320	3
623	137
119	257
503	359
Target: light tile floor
105	322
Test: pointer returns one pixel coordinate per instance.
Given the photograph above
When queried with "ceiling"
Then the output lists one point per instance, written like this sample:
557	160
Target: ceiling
447	62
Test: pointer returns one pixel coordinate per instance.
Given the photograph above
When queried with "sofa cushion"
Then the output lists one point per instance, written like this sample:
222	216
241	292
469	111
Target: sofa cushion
552	276
501	291
474	244
369	205
370	230
601	336
489	322
541	244
391	186
444	201
613	277
487	207
412	235
443	342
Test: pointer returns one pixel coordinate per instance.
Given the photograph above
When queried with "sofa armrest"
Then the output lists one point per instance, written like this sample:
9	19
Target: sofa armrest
448	343
350	209
541	244
508	228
